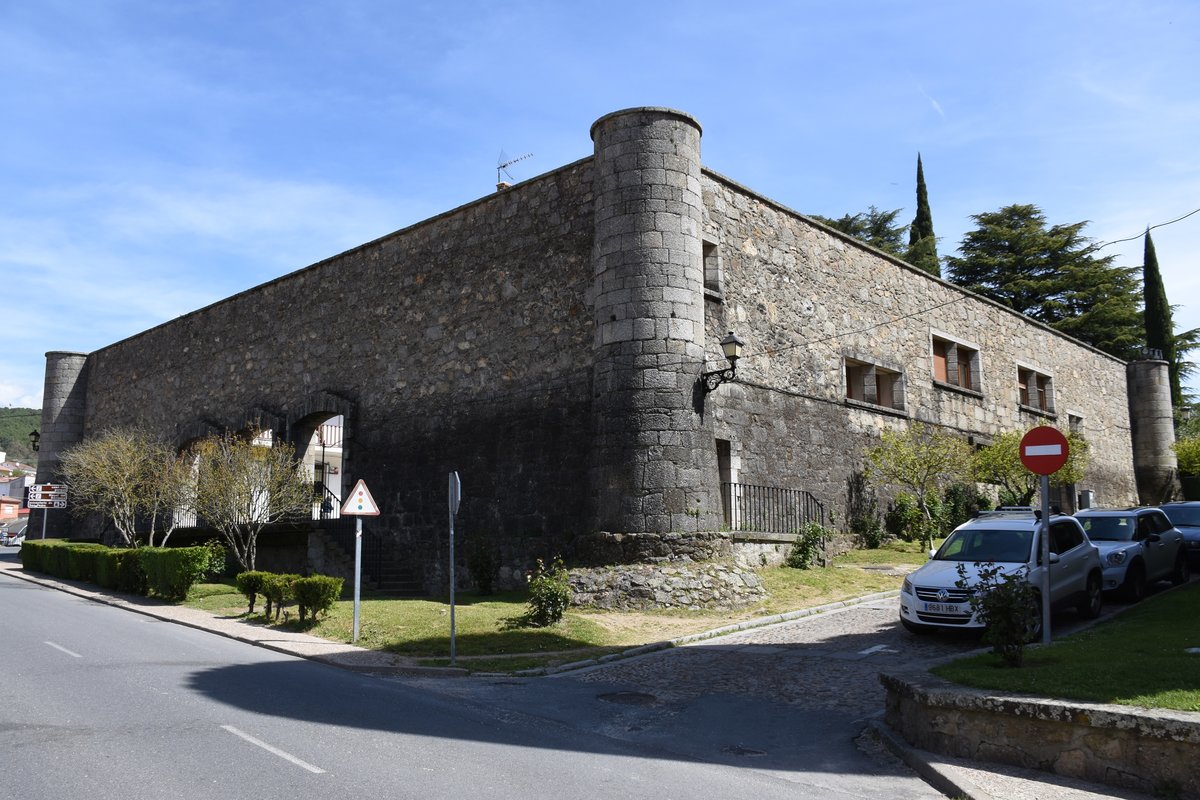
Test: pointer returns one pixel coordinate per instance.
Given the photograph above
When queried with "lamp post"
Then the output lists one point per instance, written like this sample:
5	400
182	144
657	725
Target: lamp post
731	346
35	439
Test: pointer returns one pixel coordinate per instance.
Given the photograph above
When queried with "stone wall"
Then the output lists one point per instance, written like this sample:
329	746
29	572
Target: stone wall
1152	751
806	299
654	586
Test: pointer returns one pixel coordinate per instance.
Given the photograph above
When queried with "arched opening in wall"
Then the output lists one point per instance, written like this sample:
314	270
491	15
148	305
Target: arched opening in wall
320	440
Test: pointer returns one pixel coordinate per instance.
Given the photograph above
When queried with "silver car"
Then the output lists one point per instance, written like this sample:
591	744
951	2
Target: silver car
931	597
1139	547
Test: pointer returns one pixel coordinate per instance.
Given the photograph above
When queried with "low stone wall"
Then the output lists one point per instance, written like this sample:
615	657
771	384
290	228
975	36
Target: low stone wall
1132	748
604	547
641	587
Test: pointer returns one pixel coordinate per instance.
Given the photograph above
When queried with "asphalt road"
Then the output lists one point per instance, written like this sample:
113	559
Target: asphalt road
102	703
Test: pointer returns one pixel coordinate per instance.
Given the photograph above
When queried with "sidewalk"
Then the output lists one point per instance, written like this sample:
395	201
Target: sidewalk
956	778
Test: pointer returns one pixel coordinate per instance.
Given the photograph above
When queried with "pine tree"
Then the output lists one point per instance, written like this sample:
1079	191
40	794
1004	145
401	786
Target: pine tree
922	244
1054	275
876	228
1160	328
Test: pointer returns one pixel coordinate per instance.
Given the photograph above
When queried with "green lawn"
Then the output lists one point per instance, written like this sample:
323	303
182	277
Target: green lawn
488	638
1139	658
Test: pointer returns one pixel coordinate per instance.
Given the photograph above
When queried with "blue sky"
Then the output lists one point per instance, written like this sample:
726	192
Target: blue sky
158	156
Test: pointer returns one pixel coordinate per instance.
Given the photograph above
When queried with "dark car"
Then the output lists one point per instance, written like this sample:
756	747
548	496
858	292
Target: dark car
1185	516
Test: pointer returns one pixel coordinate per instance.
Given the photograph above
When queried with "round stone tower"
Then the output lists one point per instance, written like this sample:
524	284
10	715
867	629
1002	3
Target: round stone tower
651	457
1152	431
64	402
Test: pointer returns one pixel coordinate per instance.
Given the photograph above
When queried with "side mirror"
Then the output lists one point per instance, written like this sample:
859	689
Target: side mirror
1054	559
932	552
1154	537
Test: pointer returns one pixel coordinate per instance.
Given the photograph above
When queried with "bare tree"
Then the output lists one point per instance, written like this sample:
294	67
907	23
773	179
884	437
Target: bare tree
127	474
242	487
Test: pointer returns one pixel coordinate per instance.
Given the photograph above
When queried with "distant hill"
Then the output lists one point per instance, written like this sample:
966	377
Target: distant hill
15	425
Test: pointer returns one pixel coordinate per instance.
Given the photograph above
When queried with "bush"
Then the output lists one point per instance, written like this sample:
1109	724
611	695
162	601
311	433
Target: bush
862	511
279	591
217	559
317	594
39	555
1187	452
481	563
807	545
107	566
172	571
82	561
549	593
1008	605
959	504
131	578
250	584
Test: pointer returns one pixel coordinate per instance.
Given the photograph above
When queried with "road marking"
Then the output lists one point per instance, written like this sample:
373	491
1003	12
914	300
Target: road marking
63	649
879	648
273	750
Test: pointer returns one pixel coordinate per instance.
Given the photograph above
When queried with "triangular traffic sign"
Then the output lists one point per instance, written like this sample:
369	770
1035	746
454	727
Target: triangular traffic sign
360	502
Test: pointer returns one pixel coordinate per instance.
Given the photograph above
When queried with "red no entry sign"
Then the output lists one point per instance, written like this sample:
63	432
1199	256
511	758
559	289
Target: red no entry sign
1044	450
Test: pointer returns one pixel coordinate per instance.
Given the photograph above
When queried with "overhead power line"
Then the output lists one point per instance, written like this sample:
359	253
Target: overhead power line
1152	227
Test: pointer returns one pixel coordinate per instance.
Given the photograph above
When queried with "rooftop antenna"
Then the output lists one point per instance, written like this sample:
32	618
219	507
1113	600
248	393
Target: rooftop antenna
503	162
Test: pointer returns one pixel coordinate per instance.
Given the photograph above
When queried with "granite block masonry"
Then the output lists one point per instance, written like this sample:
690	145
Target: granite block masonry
546	340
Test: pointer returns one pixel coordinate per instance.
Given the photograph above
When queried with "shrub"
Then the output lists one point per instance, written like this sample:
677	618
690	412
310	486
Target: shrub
250	584
39	555
1008	605
279	591
131	578
862	511
106	568
217	559
549	593
1187	452
172	571
807	545
481	563
317	594
82	561
959	504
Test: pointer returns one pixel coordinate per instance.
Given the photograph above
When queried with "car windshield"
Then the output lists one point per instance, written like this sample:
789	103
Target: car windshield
982	544
1109	529
1183	515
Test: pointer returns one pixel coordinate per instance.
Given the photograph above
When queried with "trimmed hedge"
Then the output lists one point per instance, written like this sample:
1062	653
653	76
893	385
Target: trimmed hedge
250	584
279	591
317	594
172	571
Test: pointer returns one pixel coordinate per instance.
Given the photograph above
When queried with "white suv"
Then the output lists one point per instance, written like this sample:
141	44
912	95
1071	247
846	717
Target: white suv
930	597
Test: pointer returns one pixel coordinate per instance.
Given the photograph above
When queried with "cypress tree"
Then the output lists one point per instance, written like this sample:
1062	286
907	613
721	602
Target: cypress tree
922	244
1160	328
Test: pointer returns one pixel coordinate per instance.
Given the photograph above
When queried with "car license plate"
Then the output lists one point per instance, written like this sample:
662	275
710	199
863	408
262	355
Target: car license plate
943	608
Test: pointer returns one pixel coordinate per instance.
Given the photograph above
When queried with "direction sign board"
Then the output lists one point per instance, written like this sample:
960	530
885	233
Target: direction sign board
48	491
36	504
1044	450
360	502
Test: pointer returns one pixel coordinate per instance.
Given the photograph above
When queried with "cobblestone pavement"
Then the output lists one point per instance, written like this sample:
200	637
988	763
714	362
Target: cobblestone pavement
829	661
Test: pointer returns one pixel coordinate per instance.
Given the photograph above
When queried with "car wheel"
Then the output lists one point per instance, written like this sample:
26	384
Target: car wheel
1183	569
913	627
1134	588
1089	606
1033	621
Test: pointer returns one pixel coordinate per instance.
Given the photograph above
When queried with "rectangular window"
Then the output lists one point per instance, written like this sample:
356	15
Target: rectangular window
1035	390
712	267
868	383
956	364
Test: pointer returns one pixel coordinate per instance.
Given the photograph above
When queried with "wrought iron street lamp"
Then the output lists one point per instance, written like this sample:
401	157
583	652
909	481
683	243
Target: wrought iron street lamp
34	439
732	346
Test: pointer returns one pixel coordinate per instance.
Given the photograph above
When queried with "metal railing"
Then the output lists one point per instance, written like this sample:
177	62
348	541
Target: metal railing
768	509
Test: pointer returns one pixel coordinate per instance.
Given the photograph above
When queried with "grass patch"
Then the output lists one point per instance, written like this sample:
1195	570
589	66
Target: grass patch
893	551
487	641
1139	658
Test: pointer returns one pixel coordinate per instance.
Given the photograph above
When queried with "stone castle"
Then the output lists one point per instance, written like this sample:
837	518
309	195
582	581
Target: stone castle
547	342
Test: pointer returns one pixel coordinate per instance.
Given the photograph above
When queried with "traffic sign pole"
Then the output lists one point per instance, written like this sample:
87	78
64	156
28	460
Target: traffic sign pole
1046	559
454	495
359	504
357	572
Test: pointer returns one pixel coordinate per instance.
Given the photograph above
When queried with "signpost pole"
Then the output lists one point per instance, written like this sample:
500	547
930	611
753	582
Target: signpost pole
45	512
358	504
357	572
455	493
1046	559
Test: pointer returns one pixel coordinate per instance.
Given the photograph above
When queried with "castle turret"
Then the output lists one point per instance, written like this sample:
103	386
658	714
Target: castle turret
64	401
1152	430
651	457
